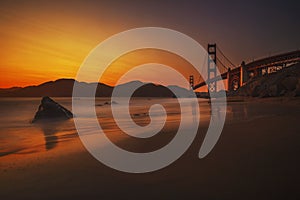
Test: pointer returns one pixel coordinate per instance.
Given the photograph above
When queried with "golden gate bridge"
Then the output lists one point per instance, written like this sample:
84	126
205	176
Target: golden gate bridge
237	76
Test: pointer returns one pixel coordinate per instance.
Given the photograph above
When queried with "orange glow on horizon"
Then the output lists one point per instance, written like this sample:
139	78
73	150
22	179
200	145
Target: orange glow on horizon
37	47
46	48
135	58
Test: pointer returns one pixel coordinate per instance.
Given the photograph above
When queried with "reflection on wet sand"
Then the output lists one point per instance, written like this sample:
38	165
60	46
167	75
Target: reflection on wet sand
237	112
50	129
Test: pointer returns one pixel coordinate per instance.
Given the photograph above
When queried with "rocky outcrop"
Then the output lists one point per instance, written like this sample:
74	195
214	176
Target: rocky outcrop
282	83
49	109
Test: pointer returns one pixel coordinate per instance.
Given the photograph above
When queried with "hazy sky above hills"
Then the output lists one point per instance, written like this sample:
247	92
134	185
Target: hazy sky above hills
47	40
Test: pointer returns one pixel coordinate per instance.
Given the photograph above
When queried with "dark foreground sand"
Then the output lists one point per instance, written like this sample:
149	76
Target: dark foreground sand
255	158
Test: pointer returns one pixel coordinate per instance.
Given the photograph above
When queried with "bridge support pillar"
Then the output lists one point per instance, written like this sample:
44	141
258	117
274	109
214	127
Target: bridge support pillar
191	82
244	73
228	79
241	76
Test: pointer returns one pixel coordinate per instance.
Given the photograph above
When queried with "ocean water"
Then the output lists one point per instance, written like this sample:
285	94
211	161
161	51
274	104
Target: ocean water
18	135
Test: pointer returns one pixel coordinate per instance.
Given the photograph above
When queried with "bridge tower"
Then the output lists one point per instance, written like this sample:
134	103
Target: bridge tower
191	82
212	67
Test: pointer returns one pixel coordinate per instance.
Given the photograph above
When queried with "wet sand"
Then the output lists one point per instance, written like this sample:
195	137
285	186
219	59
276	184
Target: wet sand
256	157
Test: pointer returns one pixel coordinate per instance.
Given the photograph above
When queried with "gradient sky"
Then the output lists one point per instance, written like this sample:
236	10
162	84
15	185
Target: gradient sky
47	40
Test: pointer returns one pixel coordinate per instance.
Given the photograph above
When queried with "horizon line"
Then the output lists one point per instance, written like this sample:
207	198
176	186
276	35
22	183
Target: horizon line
36	85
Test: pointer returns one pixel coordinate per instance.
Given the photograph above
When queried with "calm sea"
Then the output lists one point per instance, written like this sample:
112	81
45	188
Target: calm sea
18	135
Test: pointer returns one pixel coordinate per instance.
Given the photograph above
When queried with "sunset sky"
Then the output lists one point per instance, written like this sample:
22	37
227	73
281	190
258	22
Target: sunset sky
47	40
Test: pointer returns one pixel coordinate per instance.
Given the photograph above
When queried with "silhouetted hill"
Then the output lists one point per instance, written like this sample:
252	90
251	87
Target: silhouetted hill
58	88
64	88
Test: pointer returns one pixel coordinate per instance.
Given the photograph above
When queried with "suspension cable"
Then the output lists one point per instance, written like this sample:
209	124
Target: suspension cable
222	64
233	65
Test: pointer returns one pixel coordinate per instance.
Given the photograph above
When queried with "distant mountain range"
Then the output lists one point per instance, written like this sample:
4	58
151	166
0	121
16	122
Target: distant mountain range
64	88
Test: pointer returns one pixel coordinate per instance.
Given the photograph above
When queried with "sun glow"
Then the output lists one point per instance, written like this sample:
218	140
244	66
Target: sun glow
37	47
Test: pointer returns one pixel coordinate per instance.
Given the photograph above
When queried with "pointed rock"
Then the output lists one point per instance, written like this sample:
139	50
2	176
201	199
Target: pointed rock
49	109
